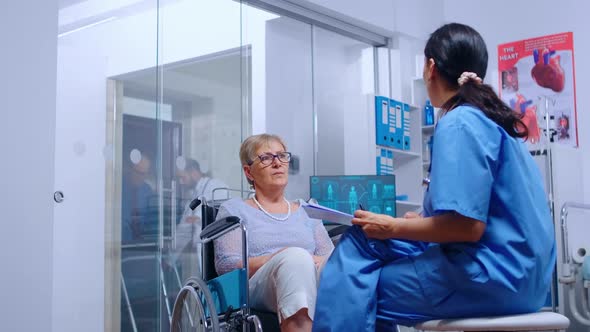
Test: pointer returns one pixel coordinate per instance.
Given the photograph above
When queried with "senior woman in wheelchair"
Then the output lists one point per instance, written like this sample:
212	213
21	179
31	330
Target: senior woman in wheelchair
287	248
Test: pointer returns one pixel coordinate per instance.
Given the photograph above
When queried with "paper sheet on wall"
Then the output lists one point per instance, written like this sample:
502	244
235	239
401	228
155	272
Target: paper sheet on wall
321	212
537	79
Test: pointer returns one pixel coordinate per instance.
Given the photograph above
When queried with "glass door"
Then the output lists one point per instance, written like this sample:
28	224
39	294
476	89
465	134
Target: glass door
203	113
150	115
141	213
176	154
107	172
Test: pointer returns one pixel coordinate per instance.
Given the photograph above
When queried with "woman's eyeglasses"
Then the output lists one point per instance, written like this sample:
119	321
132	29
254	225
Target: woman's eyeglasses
268	158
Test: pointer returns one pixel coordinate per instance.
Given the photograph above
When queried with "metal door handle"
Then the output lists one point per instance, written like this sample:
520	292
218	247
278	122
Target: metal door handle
58	196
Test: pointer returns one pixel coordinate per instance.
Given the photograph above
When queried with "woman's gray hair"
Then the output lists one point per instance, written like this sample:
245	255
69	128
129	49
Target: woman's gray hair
251	144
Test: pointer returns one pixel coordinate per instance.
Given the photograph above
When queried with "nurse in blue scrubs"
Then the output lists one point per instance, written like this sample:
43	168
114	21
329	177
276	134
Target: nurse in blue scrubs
485	243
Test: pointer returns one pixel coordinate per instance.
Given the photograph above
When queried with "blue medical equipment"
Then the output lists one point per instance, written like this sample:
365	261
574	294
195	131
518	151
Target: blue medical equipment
428	114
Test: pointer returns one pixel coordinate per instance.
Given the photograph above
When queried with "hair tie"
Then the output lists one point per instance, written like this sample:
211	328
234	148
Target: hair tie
466	76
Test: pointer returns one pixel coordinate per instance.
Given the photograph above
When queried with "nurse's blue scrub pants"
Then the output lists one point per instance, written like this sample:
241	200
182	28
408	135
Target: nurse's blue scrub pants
364	260
372	285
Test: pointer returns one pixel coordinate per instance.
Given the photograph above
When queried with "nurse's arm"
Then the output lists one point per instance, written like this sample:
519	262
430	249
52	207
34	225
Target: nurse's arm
449	227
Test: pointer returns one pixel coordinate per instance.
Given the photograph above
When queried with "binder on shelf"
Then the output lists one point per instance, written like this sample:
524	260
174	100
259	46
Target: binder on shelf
384	162
397	108
384	122
392	123
406	126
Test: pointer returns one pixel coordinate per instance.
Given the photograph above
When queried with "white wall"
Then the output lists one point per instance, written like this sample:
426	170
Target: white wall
506	21
418	18
28	31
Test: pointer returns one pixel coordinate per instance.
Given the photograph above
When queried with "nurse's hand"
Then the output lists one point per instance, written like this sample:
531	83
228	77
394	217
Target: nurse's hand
376	226
411	215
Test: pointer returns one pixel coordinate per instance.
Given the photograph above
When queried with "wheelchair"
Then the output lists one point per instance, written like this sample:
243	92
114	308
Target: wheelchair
211	302
220	303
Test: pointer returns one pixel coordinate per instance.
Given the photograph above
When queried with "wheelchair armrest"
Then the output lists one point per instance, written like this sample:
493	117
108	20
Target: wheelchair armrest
338	230
219	227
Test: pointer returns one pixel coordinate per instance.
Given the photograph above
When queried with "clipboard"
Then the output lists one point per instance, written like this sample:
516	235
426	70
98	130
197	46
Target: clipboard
323	213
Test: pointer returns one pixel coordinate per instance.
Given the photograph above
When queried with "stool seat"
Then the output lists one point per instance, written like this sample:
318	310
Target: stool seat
537	321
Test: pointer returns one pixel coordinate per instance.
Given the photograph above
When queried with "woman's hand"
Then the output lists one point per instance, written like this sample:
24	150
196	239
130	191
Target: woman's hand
318	260
376	226
255	263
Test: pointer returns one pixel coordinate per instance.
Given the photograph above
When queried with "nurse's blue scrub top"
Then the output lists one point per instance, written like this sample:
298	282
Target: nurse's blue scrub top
478	171
481	172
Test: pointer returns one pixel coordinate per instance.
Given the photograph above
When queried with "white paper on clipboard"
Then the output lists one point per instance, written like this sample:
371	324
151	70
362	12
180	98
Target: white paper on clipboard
321	212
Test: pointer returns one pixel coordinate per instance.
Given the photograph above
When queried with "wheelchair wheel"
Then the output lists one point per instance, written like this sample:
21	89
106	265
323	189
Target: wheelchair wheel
194	309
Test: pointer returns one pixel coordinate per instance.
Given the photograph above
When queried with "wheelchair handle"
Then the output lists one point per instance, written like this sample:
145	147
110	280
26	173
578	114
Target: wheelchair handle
194	204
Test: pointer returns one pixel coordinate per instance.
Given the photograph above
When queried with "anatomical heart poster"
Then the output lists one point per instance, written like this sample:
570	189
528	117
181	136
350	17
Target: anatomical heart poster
537	80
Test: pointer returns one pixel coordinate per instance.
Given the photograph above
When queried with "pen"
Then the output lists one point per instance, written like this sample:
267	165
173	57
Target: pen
361	207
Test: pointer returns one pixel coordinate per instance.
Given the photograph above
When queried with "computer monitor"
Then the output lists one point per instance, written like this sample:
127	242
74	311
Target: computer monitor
376	193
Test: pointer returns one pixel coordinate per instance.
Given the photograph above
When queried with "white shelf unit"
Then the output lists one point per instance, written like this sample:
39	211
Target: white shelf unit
419	97
402	58
407	164
404	154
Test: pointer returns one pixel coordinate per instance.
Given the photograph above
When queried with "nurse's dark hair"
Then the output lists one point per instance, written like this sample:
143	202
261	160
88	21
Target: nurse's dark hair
457	48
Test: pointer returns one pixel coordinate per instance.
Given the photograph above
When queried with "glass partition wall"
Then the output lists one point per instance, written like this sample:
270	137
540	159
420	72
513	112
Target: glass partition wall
154	100
106	231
